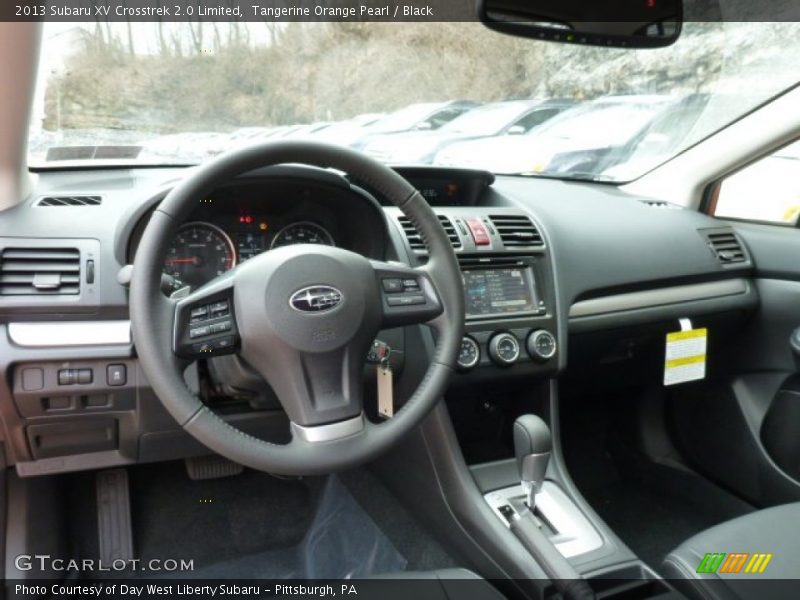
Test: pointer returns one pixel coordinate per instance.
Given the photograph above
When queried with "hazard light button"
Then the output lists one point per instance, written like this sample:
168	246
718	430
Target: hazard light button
479	233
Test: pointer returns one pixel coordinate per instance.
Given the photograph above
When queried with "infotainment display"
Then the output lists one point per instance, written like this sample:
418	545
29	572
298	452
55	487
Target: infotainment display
490	292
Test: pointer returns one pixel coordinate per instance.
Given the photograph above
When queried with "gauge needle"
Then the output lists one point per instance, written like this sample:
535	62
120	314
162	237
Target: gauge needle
193	260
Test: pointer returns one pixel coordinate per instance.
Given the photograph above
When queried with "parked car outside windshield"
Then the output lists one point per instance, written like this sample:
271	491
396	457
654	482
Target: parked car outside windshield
411	93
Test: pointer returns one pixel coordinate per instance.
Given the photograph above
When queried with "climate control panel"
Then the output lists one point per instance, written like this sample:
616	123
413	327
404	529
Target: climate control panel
506	348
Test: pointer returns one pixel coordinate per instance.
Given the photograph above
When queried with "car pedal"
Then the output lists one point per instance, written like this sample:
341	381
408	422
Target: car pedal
114	516
211	467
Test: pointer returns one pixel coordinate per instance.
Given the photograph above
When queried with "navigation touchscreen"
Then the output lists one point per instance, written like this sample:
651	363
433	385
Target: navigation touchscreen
499	291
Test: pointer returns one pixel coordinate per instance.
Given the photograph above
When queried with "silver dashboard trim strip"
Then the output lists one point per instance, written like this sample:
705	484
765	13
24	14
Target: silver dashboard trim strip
45	334
659	297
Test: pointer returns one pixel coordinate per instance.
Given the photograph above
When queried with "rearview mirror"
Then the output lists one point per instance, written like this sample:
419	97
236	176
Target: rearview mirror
614	23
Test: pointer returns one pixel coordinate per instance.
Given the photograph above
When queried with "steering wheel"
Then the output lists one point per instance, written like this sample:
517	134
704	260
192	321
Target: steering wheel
304	317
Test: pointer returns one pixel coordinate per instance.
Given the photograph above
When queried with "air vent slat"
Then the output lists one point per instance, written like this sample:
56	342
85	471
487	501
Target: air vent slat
516	231
37	254
415	240
70	201
725	246
40	271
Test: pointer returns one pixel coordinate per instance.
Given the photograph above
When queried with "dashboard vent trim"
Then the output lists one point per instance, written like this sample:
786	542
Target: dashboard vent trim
415	240
70	201
726	246
40	271
661	204
517	231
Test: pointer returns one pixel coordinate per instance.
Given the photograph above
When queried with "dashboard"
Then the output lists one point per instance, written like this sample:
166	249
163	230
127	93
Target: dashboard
544	262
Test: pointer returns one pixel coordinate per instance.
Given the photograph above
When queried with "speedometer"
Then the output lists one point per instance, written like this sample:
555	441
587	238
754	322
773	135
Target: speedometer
199	252
303	232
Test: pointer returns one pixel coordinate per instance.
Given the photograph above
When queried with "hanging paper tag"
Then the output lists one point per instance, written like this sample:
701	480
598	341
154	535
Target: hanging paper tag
385	391
685	356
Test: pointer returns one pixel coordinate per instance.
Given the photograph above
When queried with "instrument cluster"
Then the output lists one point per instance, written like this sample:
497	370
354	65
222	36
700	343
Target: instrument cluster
239	222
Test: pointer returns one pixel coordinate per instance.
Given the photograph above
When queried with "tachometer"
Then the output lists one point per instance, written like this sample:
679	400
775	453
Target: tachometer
199	253
303	232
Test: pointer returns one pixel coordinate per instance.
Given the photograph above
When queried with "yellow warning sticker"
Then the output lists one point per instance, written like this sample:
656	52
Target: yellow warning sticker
685	357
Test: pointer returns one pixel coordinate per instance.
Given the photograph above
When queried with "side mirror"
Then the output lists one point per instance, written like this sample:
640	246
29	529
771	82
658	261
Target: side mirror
515	130
624	23
424	126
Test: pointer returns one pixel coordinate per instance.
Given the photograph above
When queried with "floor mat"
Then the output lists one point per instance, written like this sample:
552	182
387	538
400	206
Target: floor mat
253	525
651	507
343	542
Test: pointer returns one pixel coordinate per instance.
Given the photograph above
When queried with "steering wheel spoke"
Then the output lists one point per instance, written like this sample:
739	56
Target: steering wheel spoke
205	322
329	432
408	295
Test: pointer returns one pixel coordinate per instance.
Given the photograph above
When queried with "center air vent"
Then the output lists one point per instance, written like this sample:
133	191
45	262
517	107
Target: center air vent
725	246
516	231
415	239
39	271
70	201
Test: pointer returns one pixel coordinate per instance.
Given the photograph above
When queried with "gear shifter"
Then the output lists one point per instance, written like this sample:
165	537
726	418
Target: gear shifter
532	445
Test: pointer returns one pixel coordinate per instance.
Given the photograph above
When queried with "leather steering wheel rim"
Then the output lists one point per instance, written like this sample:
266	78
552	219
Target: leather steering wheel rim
153	316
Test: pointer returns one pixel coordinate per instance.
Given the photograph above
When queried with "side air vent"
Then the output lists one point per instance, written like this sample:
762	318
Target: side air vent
40	271
415	239
725	246
516	231
70	201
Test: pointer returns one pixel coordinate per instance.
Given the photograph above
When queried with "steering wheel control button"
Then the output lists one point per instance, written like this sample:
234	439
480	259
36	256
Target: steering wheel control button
469	354
392	285
218	309
504	349
479	234
203	348
199	313
197	332
541	345
410	285
223	343
405	300
220	327
116	375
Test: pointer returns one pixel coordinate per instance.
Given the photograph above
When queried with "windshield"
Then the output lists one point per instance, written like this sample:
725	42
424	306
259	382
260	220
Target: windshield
181	93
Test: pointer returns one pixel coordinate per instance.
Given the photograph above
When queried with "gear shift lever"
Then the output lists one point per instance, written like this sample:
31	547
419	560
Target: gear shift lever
532	445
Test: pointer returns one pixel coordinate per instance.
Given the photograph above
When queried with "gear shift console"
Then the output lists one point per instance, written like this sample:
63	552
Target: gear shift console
534	503
532	445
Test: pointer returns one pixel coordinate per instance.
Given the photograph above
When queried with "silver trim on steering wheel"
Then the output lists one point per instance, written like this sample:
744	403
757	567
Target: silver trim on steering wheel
330	432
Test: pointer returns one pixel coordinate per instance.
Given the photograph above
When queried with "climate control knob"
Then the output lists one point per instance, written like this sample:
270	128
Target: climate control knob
469	354
541	345
504	349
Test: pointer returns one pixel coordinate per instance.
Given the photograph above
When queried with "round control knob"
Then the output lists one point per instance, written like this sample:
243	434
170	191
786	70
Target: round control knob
504	349
469	354
541	345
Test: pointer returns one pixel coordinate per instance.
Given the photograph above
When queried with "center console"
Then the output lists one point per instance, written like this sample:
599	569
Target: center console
508	289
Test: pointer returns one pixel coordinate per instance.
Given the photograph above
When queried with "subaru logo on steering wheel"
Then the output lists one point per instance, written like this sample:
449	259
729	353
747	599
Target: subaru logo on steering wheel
316	298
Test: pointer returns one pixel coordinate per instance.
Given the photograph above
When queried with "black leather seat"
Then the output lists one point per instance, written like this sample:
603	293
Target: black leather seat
443	584
773	531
